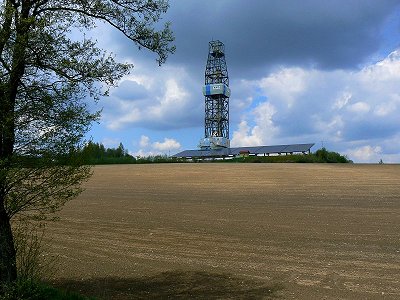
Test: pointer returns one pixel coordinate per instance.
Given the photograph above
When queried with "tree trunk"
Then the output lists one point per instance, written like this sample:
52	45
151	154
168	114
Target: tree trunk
8	264
8	93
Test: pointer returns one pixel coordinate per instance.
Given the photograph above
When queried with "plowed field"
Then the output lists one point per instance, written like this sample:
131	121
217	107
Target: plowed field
232	231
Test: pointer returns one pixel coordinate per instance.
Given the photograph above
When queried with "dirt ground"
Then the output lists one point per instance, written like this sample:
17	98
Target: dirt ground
232	231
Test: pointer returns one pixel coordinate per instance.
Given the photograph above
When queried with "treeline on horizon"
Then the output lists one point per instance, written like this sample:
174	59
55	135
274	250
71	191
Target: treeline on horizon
320	156
97	154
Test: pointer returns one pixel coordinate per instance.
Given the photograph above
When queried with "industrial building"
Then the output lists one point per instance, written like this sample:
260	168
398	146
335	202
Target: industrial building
246	151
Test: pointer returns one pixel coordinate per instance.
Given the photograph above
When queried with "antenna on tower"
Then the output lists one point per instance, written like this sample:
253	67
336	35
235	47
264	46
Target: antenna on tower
216	92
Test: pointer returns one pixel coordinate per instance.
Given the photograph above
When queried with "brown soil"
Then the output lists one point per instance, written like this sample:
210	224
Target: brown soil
232	231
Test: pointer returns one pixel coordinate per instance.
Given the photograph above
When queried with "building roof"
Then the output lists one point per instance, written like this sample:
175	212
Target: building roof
224	152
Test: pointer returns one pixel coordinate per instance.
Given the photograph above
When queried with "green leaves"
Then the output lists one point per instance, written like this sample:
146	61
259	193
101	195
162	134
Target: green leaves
134	19
46	80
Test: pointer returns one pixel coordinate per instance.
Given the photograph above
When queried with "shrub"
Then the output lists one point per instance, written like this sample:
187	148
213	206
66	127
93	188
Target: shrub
331	157
34	290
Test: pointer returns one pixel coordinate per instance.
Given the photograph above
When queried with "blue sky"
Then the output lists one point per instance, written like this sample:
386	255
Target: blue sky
323	72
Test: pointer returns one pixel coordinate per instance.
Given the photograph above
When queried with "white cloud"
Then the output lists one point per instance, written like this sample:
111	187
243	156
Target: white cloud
339	107
331	101
159	100
359	107
290	105
143	153
259	134
141	79
144	141
148	148
365	153
245	136
334	126
342	100
287	84
174	98
167	145
386	108
383	72
132	115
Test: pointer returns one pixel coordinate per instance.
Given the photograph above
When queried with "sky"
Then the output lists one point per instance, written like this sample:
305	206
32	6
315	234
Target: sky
311	71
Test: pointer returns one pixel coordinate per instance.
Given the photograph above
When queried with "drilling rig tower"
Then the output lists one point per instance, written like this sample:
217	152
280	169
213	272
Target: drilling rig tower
216	92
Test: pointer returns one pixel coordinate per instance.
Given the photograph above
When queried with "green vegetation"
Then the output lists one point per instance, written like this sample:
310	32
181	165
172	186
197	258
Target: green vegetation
295	158
35	290
320	156
158	159
47	77
331	157
97	154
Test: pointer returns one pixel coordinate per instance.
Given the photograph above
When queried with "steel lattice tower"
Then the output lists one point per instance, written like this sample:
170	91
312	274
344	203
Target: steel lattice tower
217	93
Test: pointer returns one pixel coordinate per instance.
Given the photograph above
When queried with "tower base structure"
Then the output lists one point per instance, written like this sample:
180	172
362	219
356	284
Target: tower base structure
212	143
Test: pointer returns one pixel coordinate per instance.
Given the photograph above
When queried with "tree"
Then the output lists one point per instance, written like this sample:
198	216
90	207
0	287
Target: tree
46	76
96	153
331	156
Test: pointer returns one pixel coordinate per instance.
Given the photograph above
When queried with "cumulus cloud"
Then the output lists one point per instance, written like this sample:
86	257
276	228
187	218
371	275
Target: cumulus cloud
148	148
167	145
290	105
246	136
359	107
255	136
337	106
366	153
328	35
286	84
384	109
342	100
300	71
144	141
166	101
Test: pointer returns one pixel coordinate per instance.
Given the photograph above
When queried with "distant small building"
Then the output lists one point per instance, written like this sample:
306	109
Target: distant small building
244	153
